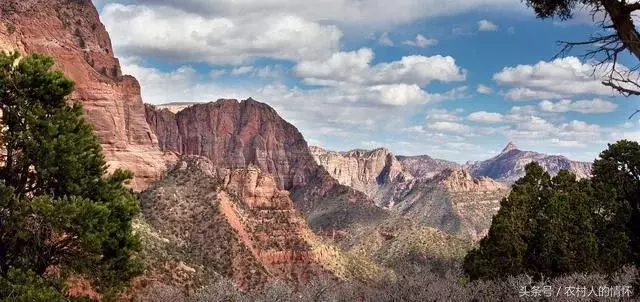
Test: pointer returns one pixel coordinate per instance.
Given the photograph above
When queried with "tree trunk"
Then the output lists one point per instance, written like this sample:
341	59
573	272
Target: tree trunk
623	24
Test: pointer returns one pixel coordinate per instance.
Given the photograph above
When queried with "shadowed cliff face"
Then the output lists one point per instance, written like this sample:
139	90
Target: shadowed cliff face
71	32
235	134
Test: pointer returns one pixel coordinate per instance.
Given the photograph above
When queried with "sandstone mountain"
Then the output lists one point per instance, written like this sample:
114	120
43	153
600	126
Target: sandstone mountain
71	32
235	222
451	201
424	165
435	193
508	166
236	134
363	170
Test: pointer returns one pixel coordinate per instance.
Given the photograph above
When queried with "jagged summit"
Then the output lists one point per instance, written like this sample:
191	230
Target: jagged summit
510	146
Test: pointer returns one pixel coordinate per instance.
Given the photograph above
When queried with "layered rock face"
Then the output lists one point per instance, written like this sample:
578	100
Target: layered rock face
424	165
234	220
452	201
420	188
70	31
508	166
362	170
235	134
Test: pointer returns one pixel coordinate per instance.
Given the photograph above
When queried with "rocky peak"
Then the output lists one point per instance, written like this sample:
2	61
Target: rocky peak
509	166
510	146
236	133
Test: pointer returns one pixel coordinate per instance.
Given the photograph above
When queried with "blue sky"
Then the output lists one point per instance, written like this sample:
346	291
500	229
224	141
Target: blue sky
456	80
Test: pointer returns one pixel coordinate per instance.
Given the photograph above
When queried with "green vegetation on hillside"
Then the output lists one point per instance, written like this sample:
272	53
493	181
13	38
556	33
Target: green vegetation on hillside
61	215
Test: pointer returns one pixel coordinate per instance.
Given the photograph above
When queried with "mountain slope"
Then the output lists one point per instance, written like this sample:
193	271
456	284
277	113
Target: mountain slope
423	189
235	133
508	166
425	165
235	222
71	32
451	201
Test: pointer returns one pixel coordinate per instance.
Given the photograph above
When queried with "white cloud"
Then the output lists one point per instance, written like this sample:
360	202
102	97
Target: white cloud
559	78
485	117
371	13
385	40
354	68
484	89
173	34
486	25
215	73
421	41
449	127
269	71
242	70
442	115
582	106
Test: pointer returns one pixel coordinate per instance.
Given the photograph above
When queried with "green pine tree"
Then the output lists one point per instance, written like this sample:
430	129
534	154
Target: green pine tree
58	207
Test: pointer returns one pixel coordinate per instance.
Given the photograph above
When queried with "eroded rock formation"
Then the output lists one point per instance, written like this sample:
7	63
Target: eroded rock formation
234	133
234	220
433	192
71	32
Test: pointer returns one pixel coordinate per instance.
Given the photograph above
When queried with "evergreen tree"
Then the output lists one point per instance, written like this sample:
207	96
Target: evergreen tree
59	210
553	226
544	228
617	175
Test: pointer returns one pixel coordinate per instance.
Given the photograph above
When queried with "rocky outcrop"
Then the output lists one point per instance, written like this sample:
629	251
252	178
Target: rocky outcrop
425	165
452	201
421	188
236	134
70	31
508	166
233	220
363	170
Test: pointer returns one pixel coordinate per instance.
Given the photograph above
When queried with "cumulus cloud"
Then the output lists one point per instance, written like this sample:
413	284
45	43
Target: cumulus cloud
421	42
486	25
485	117
453	127
556	79
173	34
242	70
484	89
370	13
442	115
582	106
355	67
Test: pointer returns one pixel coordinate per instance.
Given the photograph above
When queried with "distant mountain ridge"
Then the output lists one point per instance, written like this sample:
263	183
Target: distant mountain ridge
435	193
508	166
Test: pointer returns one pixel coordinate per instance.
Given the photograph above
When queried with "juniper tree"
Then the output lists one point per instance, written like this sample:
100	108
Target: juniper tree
59	210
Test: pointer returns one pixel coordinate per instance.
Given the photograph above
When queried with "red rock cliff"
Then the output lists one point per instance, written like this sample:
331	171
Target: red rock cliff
71	32
235	134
